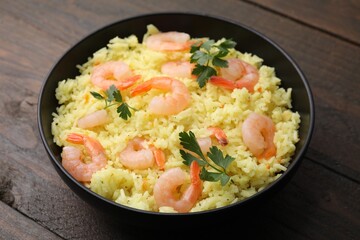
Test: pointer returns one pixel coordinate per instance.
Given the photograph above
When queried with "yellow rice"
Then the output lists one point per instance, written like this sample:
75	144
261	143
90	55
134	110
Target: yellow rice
210	106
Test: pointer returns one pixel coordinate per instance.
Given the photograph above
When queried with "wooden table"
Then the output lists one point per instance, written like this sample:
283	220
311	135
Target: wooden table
322	201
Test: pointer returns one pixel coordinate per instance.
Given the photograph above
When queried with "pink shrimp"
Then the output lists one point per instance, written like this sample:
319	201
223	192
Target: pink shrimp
168	41
180	69
205	143
165	189
94	119
219	134
173	103
115	73
139	155
238	74
258	135
159	156
72	157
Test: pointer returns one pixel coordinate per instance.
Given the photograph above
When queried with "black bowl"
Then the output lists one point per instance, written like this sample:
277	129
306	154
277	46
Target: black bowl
197	26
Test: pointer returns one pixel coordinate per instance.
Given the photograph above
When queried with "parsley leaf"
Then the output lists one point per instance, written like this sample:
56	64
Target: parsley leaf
189	142
195	46
214	176
124	111
117	96
97	95
217	157
113	97
205	73
208	44
189	158
227	44
207	56
110	93
219	62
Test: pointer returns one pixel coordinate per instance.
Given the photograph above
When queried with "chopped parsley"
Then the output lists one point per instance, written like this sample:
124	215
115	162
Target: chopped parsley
207	56
219	162
112	96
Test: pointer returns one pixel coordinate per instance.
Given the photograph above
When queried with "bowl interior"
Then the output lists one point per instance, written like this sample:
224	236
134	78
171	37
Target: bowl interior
197	26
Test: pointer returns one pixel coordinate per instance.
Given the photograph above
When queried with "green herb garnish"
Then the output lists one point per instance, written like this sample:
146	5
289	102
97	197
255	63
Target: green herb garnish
207	56
219	161
112	96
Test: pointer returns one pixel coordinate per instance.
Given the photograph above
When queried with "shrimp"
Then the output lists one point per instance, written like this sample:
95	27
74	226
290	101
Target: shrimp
219	134
72	157
168	41
115	73
205	142
258	135
173	103
238	74
138	155
159	156
94	119
180	69
165	189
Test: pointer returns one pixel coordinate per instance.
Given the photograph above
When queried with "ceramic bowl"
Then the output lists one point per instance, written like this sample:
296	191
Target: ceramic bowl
197	25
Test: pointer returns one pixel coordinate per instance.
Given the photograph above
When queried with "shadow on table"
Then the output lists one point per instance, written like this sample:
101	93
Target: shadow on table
240	227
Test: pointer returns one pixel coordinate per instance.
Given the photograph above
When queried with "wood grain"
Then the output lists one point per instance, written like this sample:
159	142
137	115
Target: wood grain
14	226
321	202
339	18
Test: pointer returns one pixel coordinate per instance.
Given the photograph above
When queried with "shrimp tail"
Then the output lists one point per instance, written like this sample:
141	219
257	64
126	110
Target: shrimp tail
128	82
159	156
195	173
222	82
270	150
92	146
219	135
75	138
268	153
193	193
139	89
222	141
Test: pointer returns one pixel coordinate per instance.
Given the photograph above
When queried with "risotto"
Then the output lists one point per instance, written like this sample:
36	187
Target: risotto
123	120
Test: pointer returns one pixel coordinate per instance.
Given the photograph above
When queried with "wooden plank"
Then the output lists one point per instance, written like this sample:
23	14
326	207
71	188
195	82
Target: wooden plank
320	198
70	21
32	48
339	18
13	225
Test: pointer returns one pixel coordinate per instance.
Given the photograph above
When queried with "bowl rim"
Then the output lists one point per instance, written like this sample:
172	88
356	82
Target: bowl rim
293	164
